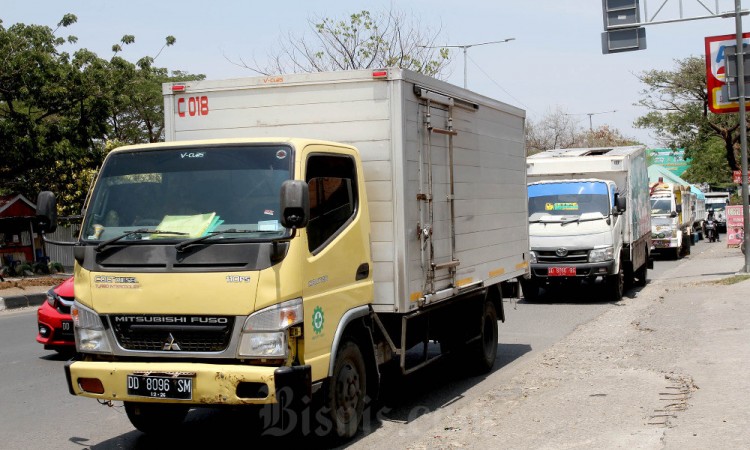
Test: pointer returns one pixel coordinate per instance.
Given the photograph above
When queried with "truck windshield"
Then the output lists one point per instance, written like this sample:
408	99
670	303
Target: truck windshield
189	192
569	198
717	207
661	206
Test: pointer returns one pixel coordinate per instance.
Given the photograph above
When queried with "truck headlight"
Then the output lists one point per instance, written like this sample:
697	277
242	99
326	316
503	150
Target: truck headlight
89	330
532	257
264	334
601	254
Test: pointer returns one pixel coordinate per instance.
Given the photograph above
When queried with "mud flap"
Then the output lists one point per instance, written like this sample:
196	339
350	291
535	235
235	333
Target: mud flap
293	386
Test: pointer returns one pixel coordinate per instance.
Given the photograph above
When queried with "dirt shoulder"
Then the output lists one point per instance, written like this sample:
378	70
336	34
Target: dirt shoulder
30	285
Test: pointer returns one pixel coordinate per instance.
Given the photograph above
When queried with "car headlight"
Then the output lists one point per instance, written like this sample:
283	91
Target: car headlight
532	257
602	254
264	334
52	298
89	330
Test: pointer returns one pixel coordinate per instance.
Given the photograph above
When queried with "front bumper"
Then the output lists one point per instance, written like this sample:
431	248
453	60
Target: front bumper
54	329
664	243
212	384
583	270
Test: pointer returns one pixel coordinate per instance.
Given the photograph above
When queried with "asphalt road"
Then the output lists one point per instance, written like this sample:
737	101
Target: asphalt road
37	411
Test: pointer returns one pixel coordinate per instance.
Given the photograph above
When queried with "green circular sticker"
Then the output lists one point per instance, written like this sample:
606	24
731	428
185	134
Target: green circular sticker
317	319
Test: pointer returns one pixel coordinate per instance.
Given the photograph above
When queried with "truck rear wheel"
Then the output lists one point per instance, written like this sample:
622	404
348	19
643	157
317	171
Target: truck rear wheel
155	418
483	352
347	390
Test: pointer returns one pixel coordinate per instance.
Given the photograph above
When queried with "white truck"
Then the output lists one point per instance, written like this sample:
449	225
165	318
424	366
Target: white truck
671	217
328	225
588	218
717	202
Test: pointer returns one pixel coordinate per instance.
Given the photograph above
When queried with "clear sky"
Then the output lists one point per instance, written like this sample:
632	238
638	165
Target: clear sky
554	62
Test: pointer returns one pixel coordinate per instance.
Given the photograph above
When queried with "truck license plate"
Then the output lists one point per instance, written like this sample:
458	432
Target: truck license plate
175	388
561	271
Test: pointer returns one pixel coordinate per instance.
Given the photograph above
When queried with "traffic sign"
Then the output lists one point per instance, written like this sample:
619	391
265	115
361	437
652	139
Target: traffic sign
719	100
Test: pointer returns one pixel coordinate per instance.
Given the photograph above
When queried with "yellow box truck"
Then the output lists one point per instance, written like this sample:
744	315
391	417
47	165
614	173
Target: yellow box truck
294	238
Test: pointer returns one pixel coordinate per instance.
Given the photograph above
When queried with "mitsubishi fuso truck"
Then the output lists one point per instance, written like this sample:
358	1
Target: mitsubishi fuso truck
296	238
588	219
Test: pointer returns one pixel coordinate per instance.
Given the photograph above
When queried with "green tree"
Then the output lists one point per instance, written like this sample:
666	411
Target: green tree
679	113
60	113
710	165
359	41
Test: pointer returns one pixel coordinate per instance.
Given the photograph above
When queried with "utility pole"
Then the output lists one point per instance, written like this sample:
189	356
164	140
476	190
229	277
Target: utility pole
465	47
742	129
591	124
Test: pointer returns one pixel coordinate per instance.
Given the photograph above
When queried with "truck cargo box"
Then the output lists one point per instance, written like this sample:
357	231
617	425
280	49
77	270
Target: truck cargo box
445	168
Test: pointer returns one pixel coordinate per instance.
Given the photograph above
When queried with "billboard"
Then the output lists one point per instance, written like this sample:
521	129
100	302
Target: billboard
735	226
672	160
718	101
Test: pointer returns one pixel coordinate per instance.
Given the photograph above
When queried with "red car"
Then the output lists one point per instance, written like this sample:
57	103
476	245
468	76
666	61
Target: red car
54	321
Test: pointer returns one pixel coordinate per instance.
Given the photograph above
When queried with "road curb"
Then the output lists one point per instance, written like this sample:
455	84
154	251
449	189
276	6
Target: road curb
22	301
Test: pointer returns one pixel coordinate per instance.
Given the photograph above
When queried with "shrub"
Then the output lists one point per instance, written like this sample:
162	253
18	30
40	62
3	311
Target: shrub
55	267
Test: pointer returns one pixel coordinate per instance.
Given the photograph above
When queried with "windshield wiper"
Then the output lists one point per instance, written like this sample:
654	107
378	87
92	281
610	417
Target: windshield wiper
551	219
126	234
180	246
578	220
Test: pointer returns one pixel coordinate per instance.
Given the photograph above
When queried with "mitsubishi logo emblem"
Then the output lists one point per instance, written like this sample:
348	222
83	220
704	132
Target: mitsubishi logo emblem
561	252
171	344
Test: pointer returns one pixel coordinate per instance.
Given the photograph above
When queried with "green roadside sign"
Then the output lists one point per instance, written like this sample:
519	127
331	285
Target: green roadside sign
672	160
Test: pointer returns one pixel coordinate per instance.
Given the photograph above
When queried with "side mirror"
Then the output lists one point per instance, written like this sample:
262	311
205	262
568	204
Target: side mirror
295	204
46	211
673	214
621	204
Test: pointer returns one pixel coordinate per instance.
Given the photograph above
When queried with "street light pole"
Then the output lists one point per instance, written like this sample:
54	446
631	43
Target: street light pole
466	48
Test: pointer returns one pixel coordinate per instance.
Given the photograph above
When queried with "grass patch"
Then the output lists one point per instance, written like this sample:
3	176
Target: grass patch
731	280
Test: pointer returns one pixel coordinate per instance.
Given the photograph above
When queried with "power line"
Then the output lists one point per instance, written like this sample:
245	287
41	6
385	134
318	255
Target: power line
465	47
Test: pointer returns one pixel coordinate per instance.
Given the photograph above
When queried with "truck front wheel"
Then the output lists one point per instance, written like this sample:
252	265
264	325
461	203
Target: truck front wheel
616	284
155	418
347	390
641	275
530	289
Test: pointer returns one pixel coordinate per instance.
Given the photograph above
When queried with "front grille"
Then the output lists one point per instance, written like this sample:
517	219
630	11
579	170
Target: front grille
181	334
573	256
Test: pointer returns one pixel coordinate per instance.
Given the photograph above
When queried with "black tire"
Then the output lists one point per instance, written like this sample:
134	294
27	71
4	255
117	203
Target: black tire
530	290
677	253
347	391
483	352
156	418
641	275
616	285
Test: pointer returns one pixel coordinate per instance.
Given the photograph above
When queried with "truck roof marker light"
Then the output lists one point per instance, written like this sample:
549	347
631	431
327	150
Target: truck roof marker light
179	87
379	73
